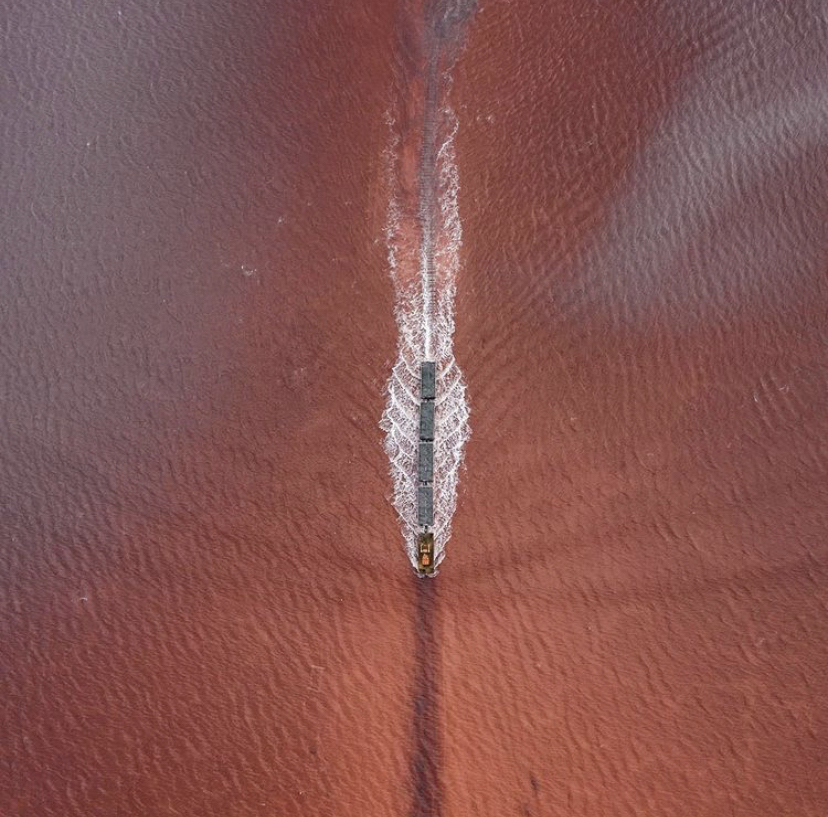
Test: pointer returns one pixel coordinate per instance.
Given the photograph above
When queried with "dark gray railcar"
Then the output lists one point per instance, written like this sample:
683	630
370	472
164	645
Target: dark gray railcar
425	505
427	420
428	381
425	469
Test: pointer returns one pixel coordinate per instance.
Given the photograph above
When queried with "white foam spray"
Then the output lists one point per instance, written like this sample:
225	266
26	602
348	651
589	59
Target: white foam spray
424	307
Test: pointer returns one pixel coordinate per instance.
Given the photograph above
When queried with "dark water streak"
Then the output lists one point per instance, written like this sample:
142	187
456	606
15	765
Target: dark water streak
445	22
426	756
442	38
428	184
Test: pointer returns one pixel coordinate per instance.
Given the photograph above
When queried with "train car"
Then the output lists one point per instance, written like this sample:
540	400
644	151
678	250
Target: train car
425	553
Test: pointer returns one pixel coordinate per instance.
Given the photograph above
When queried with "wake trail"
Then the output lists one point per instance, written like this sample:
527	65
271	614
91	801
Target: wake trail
424	237
427	202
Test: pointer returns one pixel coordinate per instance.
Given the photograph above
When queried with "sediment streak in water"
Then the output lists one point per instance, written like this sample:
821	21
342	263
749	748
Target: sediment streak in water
424	237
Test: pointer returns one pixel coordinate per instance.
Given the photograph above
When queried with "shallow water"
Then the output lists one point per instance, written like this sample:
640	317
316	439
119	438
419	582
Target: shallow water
206	606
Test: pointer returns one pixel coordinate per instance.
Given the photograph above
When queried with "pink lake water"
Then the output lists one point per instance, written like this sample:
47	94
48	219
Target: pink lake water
206	606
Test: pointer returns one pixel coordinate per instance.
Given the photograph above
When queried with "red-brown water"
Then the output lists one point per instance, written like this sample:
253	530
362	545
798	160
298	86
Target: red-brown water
206	608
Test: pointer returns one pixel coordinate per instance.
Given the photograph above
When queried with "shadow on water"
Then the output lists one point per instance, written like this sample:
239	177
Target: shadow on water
426	756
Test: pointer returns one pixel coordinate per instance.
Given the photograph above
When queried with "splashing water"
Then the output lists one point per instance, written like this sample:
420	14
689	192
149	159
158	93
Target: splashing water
425	319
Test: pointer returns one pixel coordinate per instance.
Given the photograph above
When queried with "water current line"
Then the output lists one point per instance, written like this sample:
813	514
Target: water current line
427	202
427	755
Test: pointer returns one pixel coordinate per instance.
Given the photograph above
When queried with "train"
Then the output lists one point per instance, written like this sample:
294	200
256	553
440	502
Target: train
425	470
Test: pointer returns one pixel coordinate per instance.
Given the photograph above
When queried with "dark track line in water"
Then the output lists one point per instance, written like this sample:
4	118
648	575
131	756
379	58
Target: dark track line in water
444	23
428	174
426	758
427	755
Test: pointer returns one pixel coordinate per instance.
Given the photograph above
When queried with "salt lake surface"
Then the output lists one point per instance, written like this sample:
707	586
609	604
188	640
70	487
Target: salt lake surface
207	607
